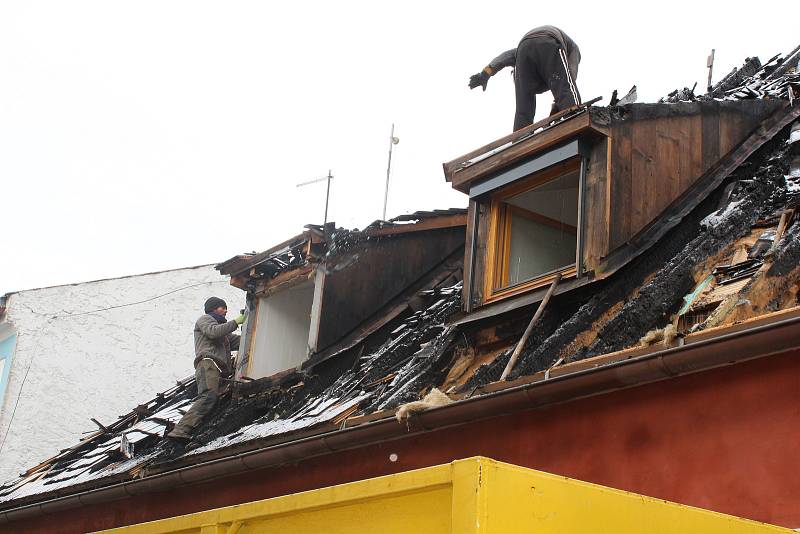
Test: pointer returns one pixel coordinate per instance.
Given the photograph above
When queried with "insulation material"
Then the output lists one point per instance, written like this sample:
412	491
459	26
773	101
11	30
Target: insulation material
433	399
664	335
463	359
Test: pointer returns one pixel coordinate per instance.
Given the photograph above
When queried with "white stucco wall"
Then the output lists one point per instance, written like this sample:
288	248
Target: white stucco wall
100	364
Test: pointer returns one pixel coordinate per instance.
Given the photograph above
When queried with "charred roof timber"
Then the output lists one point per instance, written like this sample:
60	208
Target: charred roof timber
701	266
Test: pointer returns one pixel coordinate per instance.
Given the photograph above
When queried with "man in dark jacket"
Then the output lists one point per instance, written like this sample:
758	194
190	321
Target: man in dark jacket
546	58
213	341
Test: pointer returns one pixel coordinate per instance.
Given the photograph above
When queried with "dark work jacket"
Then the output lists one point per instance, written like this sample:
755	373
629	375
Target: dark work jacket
509	57
215	341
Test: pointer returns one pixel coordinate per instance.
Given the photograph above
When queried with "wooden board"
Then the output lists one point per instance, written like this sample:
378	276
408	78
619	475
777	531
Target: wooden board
472	221
455	166
595	206
481	252
523	149
621	177
372	276
660	151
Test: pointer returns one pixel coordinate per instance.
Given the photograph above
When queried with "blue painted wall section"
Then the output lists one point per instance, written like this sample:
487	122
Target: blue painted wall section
6	355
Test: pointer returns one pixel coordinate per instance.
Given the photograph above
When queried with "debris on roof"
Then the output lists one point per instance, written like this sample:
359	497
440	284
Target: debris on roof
734	256
736	77
646	296
679	95
630	97
777	78
318	243
115	449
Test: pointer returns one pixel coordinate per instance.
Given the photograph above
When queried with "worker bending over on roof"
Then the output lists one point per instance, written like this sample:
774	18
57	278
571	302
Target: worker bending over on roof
546	58
213	341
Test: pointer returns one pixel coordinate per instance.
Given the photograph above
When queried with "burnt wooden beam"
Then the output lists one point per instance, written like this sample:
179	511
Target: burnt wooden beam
433	223
284	280
529	329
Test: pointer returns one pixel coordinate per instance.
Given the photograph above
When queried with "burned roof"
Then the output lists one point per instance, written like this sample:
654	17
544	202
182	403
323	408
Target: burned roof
777	79
732	257
414	352
319	243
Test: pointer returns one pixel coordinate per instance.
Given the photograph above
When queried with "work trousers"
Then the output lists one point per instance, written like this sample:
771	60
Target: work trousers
541	63
207	378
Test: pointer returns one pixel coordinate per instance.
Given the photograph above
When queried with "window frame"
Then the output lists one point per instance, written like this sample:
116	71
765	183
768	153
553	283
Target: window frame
496	272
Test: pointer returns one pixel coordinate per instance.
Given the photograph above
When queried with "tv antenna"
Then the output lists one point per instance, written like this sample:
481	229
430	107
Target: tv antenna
392	141
327	192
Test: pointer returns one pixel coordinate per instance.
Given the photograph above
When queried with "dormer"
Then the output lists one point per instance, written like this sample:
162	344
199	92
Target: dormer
321	292
577	193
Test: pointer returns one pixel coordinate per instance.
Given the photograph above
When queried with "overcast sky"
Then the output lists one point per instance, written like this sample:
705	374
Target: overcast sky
141	136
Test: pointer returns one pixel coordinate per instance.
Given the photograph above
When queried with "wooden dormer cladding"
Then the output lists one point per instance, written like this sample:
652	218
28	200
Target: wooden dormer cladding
659	150
635	162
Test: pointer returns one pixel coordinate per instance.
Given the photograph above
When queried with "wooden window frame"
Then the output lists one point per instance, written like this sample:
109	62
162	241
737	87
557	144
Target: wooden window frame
499	237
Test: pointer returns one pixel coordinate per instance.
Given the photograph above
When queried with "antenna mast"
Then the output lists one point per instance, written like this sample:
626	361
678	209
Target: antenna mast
392	141
327	192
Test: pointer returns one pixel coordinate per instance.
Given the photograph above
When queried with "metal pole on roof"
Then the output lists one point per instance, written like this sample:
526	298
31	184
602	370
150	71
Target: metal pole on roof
327	192
327	197
710	67
392	141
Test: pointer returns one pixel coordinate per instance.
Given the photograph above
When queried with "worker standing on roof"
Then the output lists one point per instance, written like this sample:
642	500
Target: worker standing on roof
546	58
213	341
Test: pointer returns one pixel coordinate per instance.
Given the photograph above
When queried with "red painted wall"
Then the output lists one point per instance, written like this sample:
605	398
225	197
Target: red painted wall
726	440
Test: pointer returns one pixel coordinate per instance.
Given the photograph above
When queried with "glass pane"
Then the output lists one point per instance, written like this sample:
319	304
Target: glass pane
544	224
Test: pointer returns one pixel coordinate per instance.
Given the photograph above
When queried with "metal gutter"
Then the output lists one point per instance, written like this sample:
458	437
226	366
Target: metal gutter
721	350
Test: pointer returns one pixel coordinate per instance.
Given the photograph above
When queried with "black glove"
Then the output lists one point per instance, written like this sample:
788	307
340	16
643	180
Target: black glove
479	79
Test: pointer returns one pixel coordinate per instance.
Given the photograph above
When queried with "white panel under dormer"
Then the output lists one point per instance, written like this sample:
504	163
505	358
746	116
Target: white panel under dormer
281	335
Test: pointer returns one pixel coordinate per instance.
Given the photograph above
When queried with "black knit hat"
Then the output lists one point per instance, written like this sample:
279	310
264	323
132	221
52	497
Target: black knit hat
213	303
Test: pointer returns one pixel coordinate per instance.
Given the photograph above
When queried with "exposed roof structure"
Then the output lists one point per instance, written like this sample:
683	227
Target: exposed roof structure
731	257
317	242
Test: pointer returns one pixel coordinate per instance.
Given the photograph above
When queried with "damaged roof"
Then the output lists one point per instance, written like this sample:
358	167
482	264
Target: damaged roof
734	256
319	243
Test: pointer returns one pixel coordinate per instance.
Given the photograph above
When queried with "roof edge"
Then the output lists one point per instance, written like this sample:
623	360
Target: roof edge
108	279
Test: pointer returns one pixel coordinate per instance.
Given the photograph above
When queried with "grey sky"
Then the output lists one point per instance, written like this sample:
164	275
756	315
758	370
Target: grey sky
140	136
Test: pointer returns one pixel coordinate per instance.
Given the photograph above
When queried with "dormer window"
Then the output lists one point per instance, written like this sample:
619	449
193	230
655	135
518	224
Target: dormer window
582	192
309	301
534	230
